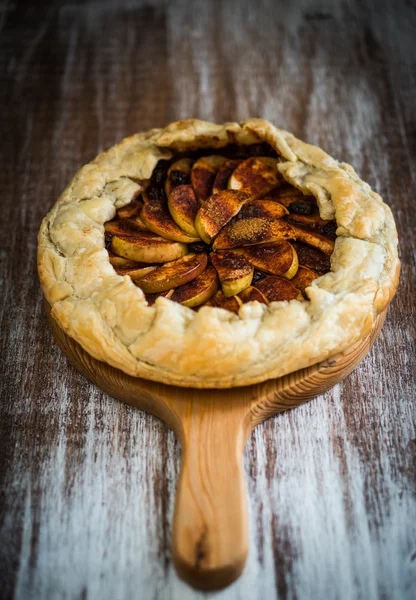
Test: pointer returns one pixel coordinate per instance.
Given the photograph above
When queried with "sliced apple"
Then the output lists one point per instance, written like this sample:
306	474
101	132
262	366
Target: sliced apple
313	221
312	258
256	176
277	289
276	259
156	216
266	209
133	208
136	222
314	239
285	190
178	174
172	274
183	207
247	232
217	211
303	278
224	174
126	227
120	262
199	290
135	272
252	294
233	303
287	195
147	247
203	175
234	271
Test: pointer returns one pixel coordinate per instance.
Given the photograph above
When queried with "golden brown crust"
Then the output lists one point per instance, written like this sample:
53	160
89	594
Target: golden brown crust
110	317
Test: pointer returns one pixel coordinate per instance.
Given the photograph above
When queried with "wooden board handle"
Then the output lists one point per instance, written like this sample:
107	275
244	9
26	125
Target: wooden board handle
210	538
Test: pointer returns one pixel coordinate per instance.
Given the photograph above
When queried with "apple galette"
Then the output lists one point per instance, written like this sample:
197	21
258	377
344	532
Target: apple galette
208	255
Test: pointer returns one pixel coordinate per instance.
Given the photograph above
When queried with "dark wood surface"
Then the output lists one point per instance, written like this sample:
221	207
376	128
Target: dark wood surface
87	483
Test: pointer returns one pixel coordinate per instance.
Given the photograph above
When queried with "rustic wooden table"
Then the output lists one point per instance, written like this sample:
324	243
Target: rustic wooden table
87	483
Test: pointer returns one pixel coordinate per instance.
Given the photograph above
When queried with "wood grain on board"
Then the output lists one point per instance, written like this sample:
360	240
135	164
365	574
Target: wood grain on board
87	483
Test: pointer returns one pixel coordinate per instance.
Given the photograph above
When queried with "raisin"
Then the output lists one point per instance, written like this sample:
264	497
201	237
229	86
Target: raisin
301	208
179	178
263	149
312	258
151	298
198	247
258	276
330	230
229	151
107	241
160	173
155	193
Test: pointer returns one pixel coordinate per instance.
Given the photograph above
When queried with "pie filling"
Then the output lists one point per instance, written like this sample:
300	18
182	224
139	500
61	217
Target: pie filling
221	228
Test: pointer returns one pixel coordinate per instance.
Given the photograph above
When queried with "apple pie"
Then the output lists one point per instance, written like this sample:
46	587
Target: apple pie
207	255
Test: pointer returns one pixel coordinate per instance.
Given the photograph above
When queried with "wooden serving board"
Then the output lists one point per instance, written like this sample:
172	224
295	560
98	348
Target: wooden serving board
210	537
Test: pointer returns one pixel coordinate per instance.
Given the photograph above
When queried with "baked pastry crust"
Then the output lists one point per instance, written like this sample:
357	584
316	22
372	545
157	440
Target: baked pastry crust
109	316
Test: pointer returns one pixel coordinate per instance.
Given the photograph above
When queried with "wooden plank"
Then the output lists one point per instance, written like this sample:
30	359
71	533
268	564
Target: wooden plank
87	484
